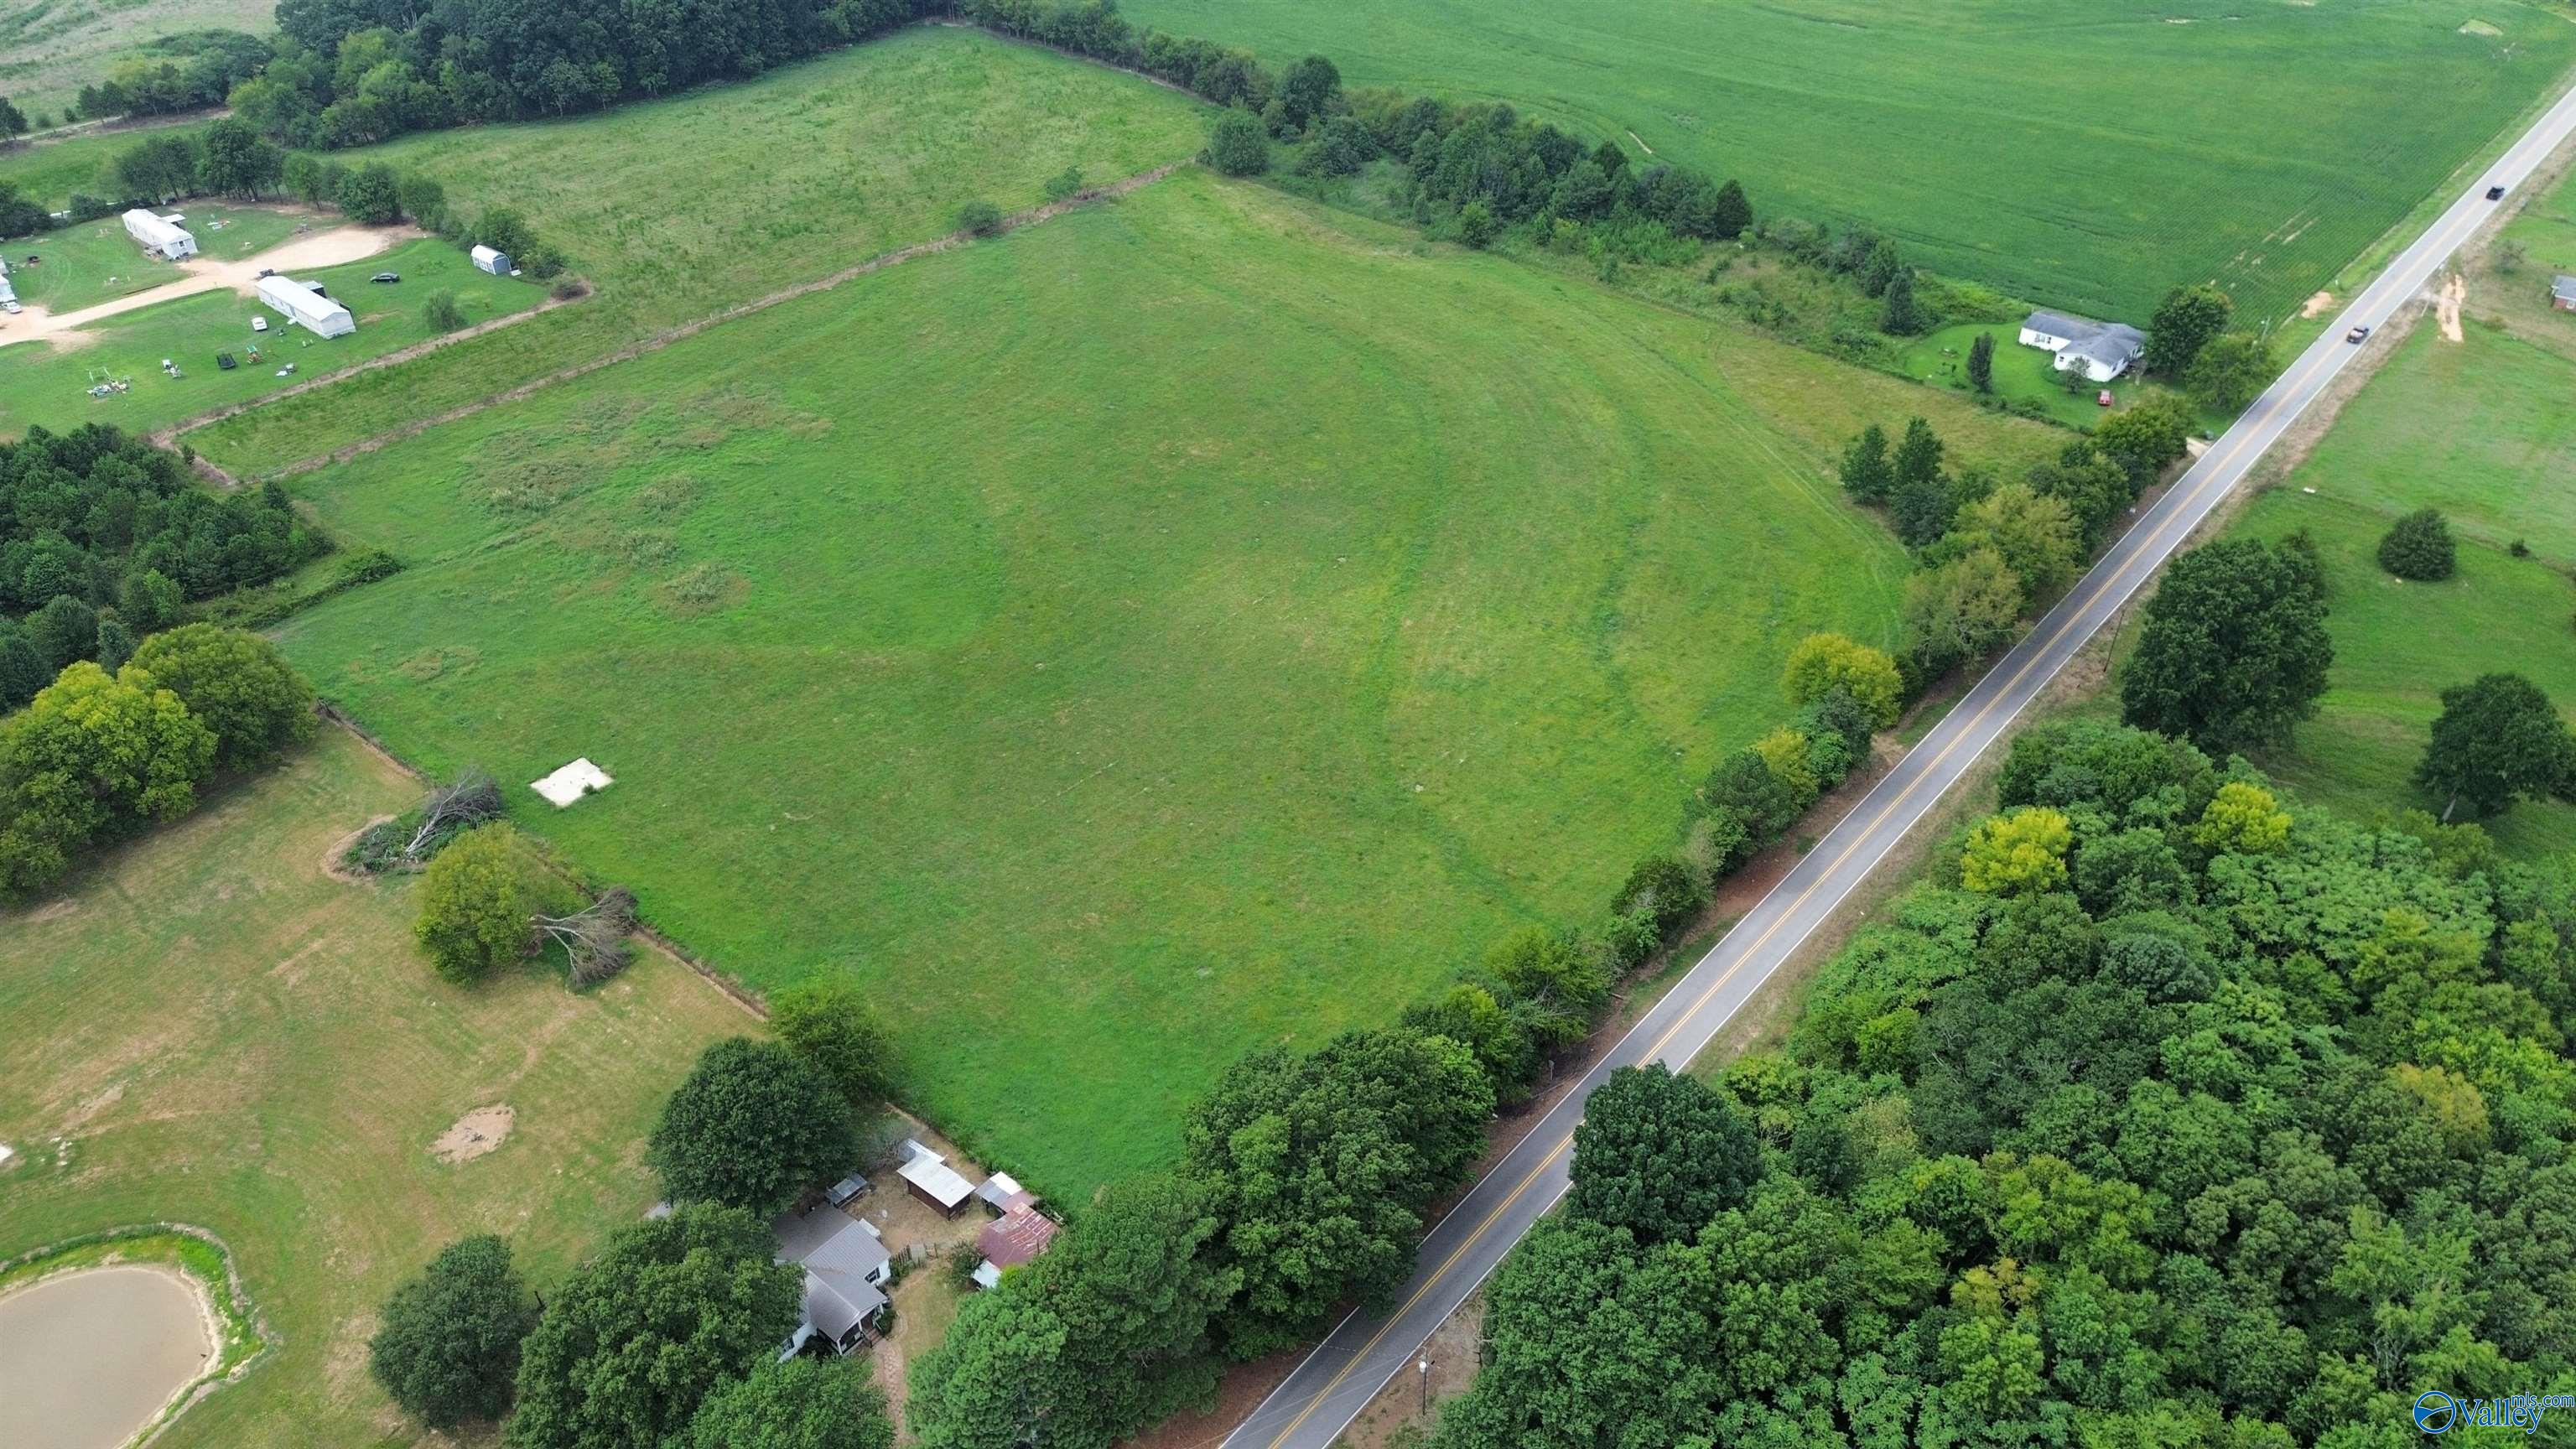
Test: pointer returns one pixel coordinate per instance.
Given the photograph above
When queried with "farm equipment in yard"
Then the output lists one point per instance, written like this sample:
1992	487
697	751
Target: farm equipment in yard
224	362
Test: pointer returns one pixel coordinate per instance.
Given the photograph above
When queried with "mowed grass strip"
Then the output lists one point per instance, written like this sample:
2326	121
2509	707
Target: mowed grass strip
1198	621
2085	156
219	1034
682	207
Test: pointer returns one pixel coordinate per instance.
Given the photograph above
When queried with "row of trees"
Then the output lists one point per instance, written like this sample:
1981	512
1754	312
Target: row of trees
97	757
2188	344
668	1336
1988	549
103	539
215	62
2158	1118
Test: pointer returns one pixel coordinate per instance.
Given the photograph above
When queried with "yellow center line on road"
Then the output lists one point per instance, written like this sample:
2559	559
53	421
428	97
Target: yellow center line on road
2319	357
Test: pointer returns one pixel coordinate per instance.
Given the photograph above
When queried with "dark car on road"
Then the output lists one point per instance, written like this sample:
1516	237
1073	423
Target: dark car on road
2358	334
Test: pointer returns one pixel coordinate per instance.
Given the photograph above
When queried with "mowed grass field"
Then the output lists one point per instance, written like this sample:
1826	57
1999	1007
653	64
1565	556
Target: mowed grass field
207	1029
2483	429
49	171
1196	621
47	382
682	207
2085	156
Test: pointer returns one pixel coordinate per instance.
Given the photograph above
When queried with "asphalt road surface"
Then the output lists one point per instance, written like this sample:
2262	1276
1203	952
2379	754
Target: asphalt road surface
1365	1350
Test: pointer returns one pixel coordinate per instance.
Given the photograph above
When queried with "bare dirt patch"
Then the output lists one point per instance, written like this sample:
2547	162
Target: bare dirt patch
2446	306
477	1132
2317	305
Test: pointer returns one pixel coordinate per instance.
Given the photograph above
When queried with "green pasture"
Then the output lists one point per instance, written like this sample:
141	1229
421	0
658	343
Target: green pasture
205	1028
2398	645
48	382
49	170
2087	157
681	207
1202	620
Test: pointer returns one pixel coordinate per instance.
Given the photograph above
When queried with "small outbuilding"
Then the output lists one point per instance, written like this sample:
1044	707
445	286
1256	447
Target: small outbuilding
1016	1237
488	260
160	236
569	784
927	1176
306	305
2562	293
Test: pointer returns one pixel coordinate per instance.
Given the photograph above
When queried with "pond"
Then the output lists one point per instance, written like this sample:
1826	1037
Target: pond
89	1358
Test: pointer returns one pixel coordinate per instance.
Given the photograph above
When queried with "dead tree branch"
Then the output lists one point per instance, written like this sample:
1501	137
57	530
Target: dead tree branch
594	937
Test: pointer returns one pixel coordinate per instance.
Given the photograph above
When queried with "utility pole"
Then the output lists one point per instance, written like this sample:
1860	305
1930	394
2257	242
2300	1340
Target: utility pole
1423	1367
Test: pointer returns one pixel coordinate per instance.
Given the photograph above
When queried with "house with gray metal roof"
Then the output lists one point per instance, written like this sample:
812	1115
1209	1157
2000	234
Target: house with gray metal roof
2562	293
846	1266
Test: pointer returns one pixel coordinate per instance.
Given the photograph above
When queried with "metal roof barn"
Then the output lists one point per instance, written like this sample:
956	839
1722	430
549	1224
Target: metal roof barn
304	304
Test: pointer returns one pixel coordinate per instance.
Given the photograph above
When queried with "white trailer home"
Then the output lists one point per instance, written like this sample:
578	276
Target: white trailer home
303	303
488	260
159	236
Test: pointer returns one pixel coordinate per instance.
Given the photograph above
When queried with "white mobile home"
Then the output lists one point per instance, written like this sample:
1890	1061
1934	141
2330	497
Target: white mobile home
488	260
159	236
304	304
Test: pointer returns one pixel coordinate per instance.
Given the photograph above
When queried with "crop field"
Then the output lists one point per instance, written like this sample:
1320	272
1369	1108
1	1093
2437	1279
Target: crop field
206	1028
681	207
49	49
2087	157
47	382
1198	620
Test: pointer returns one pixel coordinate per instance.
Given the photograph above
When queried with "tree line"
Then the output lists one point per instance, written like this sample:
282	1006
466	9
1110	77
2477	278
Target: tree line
2157	1117
104	539
98	756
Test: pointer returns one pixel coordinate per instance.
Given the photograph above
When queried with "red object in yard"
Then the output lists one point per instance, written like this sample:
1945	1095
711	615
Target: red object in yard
2103	398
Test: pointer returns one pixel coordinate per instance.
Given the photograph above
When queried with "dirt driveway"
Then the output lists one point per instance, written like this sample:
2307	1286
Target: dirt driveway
339	245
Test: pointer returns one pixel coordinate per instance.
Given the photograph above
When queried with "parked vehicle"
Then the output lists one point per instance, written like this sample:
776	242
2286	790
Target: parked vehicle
2358	334
2102	398
386	277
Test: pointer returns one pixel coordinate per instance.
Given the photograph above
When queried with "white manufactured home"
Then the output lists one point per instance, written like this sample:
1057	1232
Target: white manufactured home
159	236
302	303
2103	350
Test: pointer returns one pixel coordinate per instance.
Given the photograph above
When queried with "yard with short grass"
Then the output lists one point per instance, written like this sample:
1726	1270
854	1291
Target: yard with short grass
49	49
95	261
49	382
205	1028
2022	374
2085	157
1196	621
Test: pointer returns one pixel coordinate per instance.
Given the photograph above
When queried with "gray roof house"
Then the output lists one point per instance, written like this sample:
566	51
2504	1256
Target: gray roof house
846	1266
2562	293
2103	350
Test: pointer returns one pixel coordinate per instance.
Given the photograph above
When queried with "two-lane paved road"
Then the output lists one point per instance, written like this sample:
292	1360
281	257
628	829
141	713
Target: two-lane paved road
1344	1372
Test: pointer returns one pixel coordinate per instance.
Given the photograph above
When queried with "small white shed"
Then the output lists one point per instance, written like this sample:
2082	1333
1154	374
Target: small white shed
303	303
488	260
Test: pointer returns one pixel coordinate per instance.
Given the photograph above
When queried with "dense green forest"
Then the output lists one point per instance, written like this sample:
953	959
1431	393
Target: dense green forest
2158	1117
103	537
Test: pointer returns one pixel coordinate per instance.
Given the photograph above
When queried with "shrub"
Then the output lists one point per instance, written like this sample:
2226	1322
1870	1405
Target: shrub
371	194
1662	889
439	312
1064	184
1238	144
1476	225
980	218
2419	547
2022	852
368	566
830	1022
